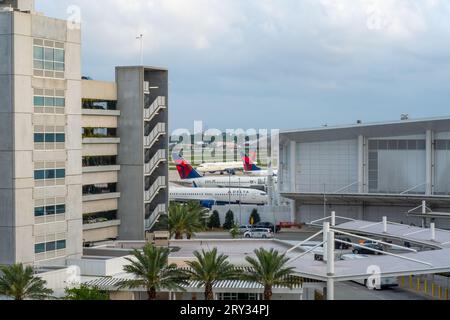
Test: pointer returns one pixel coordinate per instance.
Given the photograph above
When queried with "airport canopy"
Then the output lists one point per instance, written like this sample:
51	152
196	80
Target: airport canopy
236	286
367	198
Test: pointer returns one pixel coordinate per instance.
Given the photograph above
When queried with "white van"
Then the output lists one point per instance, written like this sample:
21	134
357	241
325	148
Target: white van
386	282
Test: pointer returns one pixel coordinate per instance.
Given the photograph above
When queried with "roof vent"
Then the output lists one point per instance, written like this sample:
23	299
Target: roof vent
404	117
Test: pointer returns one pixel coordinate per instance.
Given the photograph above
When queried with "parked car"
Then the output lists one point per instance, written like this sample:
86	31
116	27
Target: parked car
268	225
244	228
361	250
342	246
263	233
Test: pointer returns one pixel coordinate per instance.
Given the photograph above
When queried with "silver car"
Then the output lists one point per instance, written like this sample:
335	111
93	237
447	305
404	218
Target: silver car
260	233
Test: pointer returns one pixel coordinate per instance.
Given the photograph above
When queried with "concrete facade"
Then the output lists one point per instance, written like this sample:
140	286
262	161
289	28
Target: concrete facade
27	235
143	101
367	171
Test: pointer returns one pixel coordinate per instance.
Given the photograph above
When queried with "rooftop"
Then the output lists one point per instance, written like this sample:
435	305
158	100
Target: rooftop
375	129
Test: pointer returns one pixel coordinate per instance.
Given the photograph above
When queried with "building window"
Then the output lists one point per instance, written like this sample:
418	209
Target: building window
49	210
97	161
99	133
99	104
49	174
49	137
49	101
39	248
48	56
49	246
99	188
100	217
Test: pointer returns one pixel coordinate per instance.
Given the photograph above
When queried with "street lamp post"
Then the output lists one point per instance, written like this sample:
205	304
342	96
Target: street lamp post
141	38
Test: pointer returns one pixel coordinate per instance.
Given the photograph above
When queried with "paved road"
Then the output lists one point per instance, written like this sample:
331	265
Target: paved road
344	290
355	291
288	236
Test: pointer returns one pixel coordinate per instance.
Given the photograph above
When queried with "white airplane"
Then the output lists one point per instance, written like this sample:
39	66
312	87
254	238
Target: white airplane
190	175
221	167
252	169
218	196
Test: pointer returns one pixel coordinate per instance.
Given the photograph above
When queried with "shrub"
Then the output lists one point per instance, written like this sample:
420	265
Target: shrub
229	220
214	220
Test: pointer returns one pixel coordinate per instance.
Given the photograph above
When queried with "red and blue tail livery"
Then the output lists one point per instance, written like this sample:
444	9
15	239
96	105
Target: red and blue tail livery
248	163
184	168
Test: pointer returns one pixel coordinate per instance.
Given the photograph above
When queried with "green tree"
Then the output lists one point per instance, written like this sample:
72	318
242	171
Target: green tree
269	269
229	220
254	217
196	218
186	219
152	271
234	231
162	224
86	293
214	220
209	268
20	283
177	220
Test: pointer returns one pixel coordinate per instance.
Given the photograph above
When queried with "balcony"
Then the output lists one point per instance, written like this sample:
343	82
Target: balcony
153	163
100	112
151	193
100	164
154	108
100	135
100	192
93	104
153	136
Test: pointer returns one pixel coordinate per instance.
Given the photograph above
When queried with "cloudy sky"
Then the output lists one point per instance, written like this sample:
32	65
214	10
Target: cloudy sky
277	63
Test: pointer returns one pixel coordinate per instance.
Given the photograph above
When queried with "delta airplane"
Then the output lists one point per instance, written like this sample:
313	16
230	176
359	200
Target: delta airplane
218	196
220	167
190	175
252	169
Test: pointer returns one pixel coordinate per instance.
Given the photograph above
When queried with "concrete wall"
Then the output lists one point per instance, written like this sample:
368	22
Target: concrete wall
18	158
7	202
99	90
131	156
267	214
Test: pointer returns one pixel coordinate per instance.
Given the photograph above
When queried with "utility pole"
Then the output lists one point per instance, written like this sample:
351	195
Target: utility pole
240	200
141	38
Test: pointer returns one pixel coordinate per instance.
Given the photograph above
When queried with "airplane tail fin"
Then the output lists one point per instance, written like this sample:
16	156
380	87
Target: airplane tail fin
248	163
184	168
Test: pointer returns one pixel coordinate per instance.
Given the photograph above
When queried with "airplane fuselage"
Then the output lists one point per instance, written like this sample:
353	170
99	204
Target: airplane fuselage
220	167
219	195
229	182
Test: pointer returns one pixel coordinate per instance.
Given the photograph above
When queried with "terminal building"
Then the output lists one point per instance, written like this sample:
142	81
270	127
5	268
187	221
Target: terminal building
367	171
81	161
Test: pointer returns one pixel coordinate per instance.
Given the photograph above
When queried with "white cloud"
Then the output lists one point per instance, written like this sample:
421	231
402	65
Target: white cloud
306	51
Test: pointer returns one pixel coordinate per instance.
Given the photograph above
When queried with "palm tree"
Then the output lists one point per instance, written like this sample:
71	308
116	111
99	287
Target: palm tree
269	269
209	268
196	218
177	220
186	219
19	282
152	271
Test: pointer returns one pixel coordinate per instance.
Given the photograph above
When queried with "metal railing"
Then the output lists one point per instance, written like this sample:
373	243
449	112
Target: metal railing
158	104
159	184
151	220
158	130
159	157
